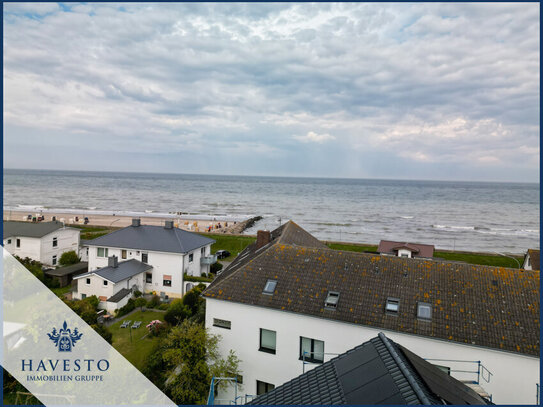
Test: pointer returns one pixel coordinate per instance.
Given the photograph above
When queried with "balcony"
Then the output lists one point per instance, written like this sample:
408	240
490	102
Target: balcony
206	260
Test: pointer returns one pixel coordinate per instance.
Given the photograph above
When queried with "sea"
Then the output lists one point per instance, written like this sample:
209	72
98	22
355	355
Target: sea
474	216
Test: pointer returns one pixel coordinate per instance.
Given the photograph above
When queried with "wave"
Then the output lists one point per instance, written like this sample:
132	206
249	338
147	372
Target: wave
489	231
407	217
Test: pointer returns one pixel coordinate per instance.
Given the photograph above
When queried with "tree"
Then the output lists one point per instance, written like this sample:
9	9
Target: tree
140	302
35	267
177	312
191	357
104	332
192	299
68	258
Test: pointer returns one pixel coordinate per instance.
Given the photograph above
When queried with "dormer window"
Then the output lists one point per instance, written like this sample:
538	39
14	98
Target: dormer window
424	311
269	288
392	306
331	300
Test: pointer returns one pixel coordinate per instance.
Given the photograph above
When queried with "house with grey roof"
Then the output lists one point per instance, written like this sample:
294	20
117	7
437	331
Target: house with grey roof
405	249
42	241
289	303
150	258
377	372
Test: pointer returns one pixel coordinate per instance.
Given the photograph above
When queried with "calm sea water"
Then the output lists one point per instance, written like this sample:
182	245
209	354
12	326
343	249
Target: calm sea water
462	215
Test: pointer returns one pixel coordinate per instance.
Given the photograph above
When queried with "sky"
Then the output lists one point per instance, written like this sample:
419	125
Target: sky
364	90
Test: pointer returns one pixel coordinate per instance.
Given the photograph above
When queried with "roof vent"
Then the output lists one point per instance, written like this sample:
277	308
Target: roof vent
136	222
112	261
168	224
331	300
392	306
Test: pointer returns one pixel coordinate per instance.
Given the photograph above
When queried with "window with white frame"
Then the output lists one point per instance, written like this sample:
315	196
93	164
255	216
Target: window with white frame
191	257
88	281
55	242
102	252
311	350
54	262
267	341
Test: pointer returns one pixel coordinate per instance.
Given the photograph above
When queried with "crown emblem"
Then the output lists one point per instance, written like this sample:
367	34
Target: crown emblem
65	339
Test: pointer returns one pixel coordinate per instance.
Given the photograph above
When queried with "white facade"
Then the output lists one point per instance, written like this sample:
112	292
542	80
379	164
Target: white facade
46	249
167	267
513	379
405	253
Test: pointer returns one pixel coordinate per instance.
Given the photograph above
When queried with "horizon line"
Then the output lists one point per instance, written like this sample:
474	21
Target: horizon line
275	176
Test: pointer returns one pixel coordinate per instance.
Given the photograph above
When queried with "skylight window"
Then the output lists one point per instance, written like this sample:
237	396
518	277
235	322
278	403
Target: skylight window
424	311
392	306
269	288
331	300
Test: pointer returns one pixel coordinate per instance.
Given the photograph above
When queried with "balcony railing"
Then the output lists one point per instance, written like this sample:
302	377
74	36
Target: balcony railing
205	260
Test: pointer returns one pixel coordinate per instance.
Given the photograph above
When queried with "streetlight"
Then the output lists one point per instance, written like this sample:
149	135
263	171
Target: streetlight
505	255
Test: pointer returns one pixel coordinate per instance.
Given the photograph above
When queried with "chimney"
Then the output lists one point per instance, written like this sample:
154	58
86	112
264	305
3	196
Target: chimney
135	222
112	261
168	224
263	237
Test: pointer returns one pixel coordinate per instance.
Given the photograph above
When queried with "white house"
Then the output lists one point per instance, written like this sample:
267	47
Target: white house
405	249
531	260
44	241
166	251
288	298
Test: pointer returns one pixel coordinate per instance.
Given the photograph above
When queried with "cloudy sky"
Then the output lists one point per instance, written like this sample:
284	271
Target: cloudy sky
407	91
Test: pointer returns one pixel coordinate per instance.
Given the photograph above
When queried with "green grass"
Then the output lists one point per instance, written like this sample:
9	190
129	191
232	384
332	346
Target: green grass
92	235
61	290
351	247
89	228
486	260
138	349
234	244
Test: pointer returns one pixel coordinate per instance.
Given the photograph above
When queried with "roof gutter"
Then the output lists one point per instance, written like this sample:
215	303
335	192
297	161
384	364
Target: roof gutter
410	379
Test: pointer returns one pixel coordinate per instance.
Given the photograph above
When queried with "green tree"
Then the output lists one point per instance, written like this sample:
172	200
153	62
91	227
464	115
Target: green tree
192	299
177	312
35	267
104	332
140	302
191	357
68	258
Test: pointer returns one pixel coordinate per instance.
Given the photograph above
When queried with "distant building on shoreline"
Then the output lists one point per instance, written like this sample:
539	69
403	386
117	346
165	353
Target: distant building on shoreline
288	300
404	249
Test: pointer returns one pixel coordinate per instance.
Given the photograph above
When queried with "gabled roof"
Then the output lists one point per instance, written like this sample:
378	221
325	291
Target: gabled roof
28	229
124	270
119	295
534	258
152	238
477	305
378	372
419	249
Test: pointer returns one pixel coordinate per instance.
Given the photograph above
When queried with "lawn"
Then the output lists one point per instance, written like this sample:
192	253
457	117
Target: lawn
475	258
352	247
234	244
92	232
137	349
60	291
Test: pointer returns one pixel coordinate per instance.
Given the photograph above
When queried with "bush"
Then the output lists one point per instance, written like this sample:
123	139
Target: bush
192	298
104	332
137	294
129	307
164	306
177	312
51	282
35	267
140	302
215	267
153	302
68	258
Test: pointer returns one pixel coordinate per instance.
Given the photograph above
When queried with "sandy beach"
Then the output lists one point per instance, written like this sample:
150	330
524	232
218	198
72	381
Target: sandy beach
219	224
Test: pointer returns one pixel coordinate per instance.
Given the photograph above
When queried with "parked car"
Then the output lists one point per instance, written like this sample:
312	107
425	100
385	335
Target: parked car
222	254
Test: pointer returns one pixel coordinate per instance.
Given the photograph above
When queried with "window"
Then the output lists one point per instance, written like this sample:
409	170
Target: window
102	252
203	251
267	341
9	241
54	262
144	257
55	242
149	278
221	323
263	387
18	243
87	251
123	254
88	281
404	255
83	296
191	257
424	311
331	300
105	283
393	306
269	288
167	281
313	350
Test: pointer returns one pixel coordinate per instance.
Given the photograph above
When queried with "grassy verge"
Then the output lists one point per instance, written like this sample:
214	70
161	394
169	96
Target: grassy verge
351	247
137	349
486	260
234	244
92	232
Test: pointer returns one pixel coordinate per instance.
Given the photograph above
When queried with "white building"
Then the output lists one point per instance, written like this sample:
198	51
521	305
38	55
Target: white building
531	260
166	252
44	241
290	294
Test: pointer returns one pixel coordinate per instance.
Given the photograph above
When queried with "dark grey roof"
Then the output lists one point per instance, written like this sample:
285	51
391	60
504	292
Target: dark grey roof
64	271
29	229
494	307
375	373
124	270
154	238
119	295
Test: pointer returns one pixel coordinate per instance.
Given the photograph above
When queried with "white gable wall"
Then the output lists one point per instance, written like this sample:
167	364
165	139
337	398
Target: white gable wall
30	247
514	376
